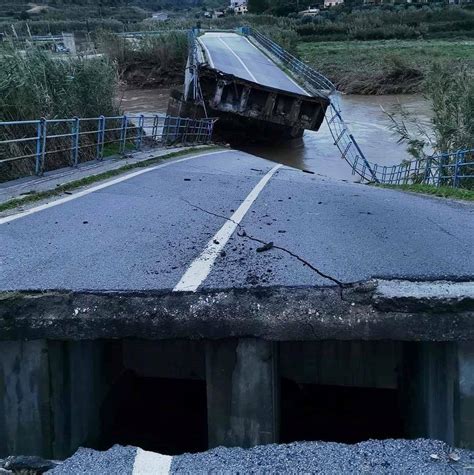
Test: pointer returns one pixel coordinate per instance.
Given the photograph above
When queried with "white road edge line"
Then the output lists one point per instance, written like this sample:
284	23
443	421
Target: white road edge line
276	65
150	463
75	196
208	53
201	267
240	60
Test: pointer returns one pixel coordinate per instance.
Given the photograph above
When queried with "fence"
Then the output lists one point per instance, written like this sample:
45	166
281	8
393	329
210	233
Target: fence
36	146
454	169
312	78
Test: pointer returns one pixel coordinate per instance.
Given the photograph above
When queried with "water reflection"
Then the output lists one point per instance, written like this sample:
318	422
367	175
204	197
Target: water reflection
316	151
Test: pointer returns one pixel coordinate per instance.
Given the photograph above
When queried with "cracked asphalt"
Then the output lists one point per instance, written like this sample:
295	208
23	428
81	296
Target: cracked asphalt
143	233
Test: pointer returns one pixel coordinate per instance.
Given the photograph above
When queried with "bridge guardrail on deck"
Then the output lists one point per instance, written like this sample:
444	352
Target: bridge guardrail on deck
32	147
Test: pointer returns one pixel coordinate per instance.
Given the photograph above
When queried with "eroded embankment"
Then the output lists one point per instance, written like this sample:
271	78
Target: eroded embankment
374	310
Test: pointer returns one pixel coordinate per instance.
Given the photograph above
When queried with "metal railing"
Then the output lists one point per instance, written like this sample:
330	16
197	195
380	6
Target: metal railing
35	146
319	84
454	169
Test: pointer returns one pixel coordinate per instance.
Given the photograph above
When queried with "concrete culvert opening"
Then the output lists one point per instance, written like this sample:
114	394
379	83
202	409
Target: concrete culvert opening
338	414
168	395
162	415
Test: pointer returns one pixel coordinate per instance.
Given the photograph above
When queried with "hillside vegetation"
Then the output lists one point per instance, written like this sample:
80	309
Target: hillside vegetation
384	66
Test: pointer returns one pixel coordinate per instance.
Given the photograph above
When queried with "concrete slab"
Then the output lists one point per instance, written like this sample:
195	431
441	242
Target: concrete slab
234	54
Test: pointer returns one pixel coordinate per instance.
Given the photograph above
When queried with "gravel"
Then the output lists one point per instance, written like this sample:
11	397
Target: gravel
413	457
115	461
375	457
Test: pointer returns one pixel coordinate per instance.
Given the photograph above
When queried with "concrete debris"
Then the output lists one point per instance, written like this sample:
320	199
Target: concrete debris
29	464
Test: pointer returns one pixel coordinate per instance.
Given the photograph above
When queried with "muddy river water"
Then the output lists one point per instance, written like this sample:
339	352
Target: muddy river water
316	151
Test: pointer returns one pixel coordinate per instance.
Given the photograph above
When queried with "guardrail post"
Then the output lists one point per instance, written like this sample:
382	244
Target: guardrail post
456	169
154	130
123	135
100	138
75	141
178	130
185	133
426	178
141	124
40	146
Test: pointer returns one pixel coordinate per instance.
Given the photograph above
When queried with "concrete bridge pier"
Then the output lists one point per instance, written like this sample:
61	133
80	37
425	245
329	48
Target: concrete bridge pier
438	391
50	395
242	392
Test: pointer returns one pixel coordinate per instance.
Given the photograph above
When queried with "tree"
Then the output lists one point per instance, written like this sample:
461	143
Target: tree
257	6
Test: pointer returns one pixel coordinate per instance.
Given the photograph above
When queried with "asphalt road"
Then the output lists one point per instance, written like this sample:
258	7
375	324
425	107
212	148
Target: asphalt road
168	228
234	54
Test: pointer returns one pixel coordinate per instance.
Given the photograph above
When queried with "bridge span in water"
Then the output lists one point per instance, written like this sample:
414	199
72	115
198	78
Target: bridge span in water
231	76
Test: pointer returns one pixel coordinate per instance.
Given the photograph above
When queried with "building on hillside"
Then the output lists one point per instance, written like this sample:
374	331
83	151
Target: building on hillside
160	16
240	7
332	3
310	11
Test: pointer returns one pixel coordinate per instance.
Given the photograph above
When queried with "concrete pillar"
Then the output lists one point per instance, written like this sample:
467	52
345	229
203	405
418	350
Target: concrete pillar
242	392
77	390
465	396
429	378
50	395
438	389
70	42
25	427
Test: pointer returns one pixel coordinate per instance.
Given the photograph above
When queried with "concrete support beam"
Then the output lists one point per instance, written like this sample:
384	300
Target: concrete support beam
269	105
77	382
439	391
25	425
50	395
465	395
242	392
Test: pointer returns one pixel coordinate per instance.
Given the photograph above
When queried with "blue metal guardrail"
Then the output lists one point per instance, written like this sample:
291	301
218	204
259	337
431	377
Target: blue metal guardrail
37	145
452	169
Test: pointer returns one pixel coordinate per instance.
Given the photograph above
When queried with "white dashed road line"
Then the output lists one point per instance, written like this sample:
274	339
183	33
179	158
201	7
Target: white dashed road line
254	79
79	194
150	463
202	265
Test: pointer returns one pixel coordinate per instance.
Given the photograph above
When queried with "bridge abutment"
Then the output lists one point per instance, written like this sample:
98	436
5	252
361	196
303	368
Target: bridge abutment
50	396
56	395
438	391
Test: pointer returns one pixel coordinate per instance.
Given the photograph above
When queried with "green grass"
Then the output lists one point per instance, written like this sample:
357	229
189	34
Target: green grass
383	66
73	185
114	149
442	191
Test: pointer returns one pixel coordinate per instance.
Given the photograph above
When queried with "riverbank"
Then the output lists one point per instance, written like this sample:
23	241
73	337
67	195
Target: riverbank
385	66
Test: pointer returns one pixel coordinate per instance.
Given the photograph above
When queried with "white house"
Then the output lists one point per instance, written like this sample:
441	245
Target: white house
240	7
332	3
310	11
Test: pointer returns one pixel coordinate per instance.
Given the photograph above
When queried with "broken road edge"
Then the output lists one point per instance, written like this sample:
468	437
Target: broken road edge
373	310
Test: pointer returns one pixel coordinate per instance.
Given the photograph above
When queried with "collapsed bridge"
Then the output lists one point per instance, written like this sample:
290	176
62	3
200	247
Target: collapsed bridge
261	92
230	76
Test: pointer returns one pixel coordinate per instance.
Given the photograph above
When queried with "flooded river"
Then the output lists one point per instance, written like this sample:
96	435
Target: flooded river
315	151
